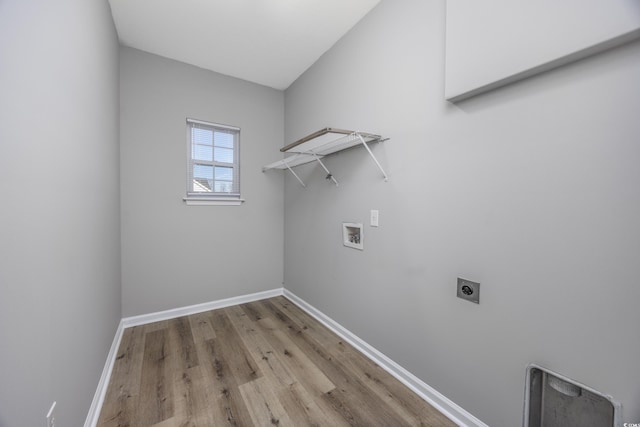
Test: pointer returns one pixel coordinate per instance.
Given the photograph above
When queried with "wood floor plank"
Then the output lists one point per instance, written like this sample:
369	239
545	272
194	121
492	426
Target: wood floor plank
240	363
263	404
282	329
210	389
305	410
251	311
155	326
229	366
302	408
263	363
182	344
156	379
348	392
201	327
295	358
121	399
186	407
259	347
171	422
407	404
221	387
305	322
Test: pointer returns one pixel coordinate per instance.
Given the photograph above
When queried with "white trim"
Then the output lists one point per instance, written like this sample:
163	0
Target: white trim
213	201
101	391
443	404
202	122
143	319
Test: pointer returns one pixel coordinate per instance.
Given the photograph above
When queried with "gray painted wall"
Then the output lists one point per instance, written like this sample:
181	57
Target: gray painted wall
175	255
59	215
531	190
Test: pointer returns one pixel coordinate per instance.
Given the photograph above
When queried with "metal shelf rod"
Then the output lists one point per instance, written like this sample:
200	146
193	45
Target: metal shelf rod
294	174
386	178
329	175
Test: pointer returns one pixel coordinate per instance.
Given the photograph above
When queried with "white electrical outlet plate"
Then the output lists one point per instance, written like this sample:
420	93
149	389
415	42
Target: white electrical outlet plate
374	218
51	421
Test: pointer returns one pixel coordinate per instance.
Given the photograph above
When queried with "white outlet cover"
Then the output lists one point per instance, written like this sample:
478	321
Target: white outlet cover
375	215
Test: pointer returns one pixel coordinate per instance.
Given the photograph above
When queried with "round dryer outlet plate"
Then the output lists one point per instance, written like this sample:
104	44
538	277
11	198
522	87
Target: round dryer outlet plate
468	290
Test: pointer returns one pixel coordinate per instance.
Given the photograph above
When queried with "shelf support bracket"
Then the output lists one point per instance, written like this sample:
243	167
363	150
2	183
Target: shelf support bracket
294	174
386	178
329	175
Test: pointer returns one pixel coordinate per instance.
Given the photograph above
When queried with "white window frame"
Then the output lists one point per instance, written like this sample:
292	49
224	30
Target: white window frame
212	198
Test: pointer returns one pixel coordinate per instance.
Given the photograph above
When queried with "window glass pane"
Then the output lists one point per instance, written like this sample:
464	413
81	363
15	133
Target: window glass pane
223	173
223	187
201	185
224	155
202	152
202	178
202	136
224	139
203	171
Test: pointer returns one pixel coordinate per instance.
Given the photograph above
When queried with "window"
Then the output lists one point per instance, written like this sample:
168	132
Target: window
213	169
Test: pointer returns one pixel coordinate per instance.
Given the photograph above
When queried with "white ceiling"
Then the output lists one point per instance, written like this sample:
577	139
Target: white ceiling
269	42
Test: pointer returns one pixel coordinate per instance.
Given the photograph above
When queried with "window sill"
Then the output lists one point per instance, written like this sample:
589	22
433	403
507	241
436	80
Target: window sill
208	201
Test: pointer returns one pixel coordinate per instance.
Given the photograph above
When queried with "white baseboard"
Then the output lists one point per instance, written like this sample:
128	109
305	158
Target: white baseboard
143	319
101	391
454	412
451	410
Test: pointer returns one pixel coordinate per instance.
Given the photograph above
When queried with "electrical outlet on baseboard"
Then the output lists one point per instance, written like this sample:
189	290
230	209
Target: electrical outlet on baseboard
51	420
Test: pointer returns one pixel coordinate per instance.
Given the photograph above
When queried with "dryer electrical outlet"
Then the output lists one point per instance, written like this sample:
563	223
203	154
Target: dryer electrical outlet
468	290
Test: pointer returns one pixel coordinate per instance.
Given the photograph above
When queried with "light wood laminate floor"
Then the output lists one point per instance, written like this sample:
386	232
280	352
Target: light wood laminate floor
266	363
